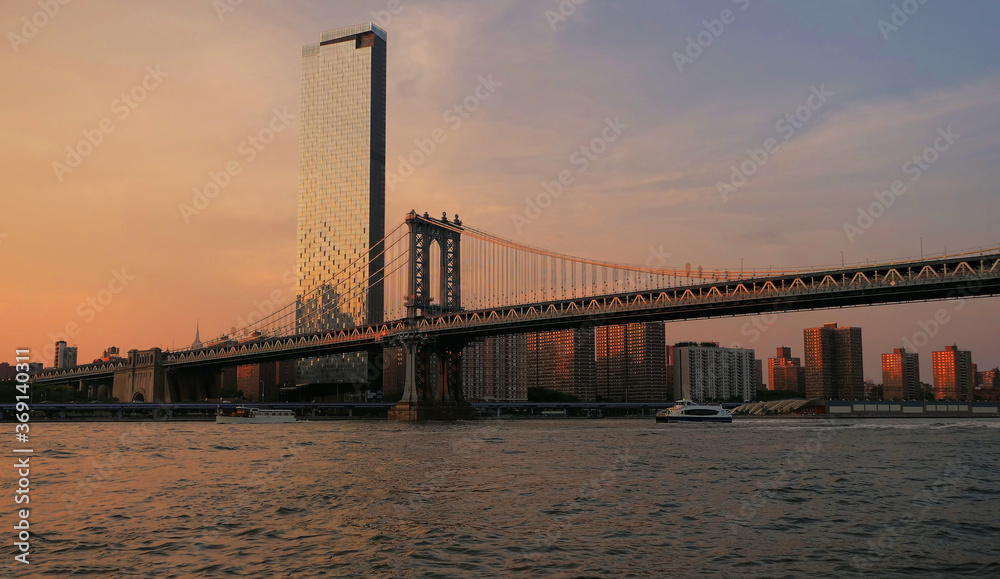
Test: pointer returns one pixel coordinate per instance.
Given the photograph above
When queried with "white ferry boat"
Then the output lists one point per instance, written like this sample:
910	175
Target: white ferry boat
244	414
687	411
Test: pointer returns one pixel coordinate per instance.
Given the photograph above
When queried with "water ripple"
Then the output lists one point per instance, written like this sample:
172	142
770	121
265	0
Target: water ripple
554	498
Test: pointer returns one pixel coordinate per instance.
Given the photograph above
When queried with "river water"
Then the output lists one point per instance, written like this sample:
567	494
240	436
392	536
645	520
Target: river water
539	498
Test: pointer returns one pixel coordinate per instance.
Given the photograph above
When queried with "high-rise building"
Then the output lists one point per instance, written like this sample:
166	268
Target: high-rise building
393	367
785	372
989	378
631	362
953	374
341	211
494	369
562	360
834	363
988	385
900	375
670	371
706	372
65	356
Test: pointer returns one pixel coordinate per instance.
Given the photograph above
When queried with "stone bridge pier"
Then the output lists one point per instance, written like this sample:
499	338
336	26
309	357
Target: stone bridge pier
432	382
143	379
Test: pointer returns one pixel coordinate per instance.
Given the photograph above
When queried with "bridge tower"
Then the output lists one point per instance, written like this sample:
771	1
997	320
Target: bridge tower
424	232
432	388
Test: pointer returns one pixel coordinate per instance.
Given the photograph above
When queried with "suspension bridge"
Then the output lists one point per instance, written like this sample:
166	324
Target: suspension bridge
432	286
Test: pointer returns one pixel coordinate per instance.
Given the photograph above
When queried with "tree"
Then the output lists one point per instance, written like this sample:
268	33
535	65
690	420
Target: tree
769	395
549	395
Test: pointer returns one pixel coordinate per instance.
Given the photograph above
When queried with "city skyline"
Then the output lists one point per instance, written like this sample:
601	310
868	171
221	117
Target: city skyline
123	206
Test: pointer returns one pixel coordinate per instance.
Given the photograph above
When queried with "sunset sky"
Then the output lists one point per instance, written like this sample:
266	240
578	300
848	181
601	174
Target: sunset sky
178	87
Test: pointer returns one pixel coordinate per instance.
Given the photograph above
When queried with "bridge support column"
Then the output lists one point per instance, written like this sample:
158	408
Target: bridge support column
432	388
411	350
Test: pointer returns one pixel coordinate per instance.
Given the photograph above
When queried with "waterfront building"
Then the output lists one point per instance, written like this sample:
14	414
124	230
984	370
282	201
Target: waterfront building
900	375
670	371
111	354
705	372
65	356
494	369
262	382
988	385
785	372
393	373
834	363
989	378
953	374
341	199
630	362
562	360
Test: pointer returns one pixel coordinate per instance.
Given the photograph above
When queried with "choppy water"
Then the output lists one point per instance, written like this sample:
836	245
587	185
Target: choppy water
543	498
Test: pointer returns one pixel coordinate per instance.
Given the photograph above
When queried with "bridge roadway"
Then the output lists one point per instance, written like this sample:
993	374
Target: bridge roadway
898	282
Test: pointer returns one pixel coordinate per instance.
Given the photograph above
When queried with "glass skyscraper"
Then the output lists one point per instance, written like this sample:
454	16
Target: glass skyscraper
341	213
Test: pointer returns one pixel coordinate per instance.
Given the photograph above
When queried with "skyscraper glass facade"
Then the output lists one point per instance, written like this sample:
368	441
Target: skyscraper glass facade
341	210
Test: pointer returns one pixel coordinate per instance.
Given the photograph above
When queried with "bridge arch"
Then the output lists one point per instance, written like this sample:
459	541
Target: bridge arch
137	397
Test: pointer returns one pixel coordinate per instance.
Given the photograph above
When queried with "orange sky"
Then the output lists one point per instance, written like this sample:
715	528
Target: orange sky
69	237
